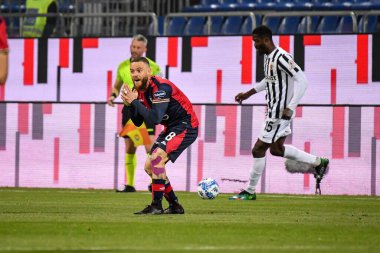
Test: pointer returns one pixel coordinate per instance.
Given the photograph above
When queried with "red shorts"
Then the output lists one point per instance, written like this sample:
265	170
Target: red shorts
174	140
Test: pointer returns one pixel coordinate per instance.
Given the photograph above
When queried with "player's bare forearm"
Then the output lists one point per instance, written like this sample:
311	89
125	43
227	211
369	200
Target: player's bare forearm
116	87
115	92
251	92
244	95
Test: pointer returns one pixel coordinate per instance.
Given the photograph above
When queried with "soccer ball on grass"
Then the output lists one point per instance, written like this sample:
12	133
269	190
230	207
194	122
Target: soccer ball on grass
208	188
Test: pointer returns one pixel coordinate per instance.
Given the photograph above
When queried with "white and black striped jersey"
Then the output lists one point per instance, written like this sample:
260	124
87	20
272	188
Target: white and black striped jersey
280	73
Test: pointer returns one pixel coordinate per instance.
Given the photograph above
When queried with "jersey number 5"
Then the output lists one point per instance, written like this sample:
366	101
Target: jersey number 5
268	126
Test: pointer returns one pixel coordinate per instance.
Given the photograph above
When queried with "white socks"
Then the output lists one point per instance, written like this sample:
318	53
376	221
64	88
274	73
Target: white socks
291	153
255	174
300	156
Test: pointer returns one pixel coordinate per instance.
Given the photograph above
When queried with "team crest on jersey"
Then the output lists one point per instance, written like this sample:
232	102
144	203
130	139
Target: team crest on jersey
292	64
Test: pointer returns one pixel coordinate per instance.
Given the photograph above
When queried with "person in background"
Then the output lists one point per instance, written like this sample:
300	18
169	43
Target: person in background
37	27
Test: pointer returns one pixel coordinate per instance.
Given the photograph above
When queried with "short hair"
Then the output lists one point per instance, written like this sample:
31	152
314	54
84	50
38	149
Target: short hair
141	59
262	31
140	37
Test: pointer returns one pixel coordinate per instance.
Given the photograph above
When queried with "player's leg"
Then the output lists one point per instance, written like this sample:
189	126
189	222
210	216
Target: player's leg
277	148
155	144
258	153
130	155
151	130
168	146
157	162
174	206
175	142
148	166
290	152
279	130
268	130
320	164
130	164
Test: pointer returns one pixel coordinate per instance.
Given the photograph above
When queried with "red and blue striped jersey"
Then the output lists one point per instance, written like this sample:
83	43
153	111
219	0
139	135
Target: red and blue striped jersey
163	103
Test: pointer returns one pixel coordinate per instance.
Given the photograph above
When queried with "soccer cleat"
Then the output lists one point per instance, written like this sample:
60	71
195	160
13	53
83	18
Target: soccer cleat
151	209
127	188
320	171
174	209
243	195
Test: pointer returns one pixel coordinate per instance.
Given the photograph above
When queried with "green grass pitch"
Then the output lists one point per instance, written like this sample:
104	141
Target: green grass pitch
56	220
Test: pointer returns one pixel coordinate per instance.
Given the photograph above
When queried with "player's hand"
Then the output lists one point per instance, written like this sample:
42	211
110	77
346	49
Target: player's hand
127	95
110	100
241	97
287	114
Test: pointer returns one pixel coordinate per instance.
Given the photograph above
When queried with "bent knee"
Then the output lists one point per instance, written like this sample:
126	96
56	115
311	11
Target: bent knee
158	158
258	153
277	152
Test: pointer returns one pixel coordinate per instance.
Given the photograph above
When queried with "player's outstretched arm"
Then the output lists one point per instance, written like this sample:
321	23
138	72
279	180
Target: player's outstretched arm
245	95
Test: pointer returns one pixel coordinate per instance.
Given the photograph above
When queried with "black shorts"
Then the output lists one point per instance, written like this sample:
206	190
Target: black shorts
127	116
174	140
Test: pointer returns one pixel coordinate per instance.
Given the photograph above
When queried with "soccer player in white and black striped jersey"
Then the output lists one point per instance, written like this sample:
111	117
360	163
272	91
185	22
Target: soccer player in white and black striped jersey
285	84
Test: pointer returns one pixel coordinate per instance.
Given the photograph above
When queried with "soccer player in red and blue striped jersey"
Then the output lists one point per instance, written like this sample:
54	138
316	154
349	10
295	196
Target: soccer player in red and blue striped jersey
157	100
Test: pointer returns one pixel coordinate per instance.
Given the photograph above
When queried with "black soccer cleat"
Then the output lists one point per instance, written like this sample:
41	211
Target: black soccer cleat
320	171
127	188
151	209
174	209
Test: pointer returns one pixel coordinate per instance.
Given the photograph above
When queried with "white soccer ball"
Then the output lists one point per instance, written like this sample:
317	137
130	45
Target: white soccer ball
208	188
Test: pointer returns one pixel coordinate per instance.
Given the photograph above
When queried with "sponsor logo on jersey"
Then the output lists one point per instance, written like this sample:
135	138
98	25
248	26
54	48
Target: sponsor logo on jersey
160	94
271	78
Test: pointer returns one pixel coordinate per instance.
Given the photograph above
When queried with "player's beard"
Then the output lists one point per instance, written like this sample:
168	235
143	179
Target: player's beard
262	50
144	84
